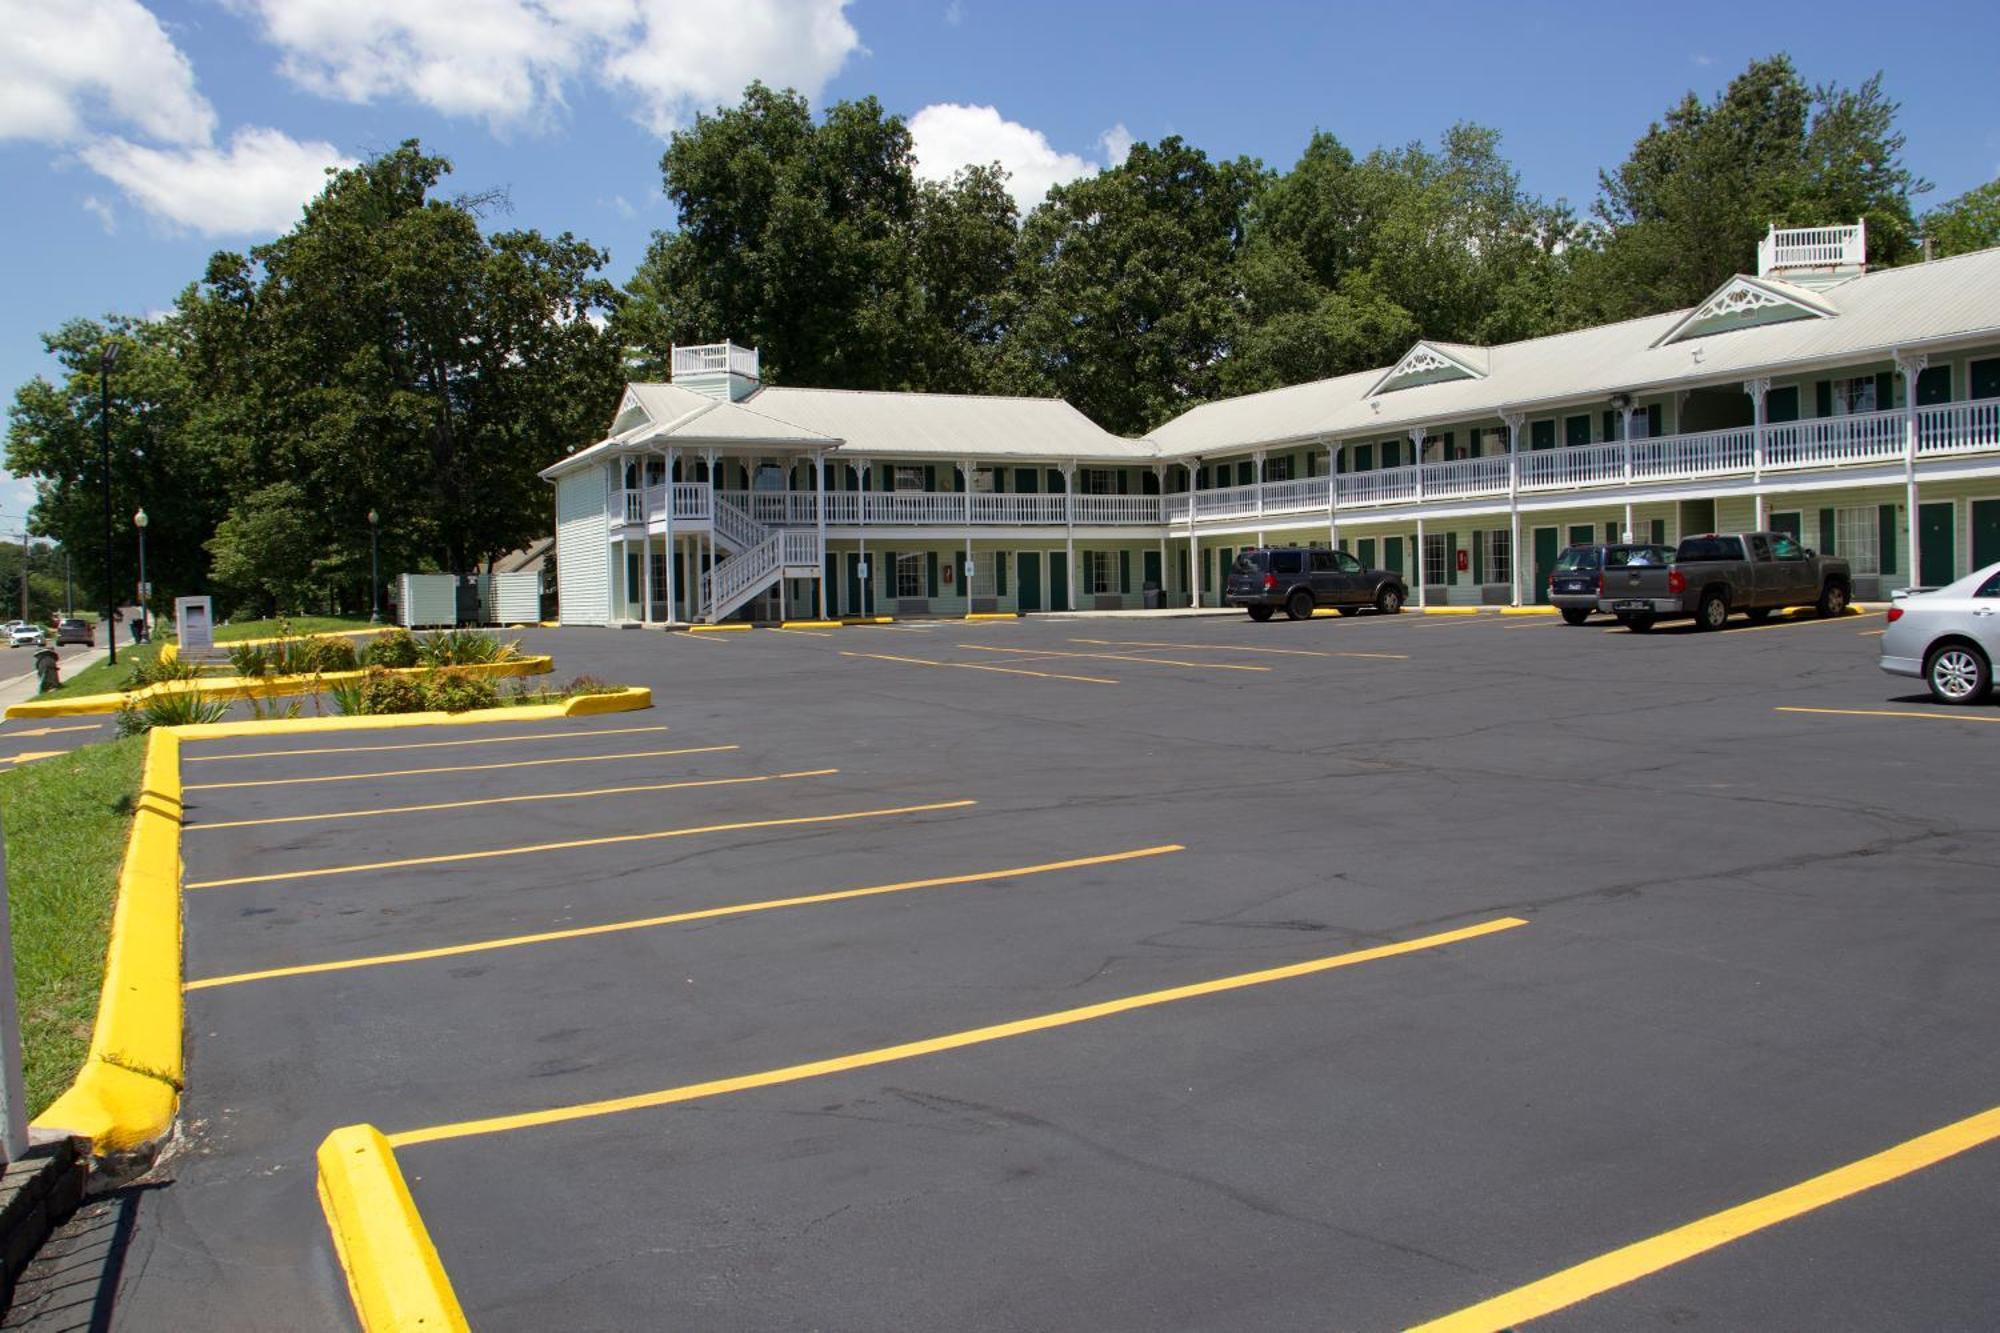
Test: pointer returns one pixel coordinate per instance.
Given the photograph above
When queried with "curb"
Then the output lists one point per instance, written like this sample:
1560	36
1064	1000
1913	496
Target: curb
726	627
809	624
1448	610
394	1276
255	687
124	1098
993	615
1527	610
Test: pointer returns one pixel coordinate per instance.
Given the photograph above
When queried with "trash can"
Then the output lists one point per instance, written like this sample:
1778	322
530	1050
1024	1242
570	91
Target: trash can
1152	598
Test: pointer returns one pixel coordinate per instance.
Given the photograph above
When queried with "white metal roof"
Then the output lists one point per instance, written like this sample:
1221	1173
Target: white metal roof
943	425
1874	315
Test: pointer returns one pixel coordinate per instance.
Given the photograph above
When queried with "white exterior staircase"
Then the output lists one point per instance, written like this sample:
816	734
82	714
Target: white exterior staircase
762	557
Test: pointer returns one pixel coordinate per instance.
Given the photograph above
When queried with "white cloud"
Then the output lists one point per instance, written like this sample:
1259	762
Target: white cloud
100	210
954	13
510	62
64	65
259	183
948	136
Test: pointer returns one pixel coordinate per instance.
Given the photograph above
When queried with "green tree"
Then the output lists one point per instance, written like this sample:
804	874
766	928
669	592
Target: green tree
265	549
1124	298
1686	209
1967	223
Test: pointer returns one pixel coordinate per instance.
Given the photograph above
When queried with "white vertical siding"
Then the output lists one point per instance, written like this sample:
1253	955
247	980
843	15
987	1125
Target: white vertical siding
583	559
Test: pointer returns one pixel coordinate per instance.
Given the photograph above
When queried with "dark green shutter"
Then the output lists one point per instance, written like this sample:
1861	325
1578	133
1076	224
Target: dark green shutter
930	477
1885	390
1478	560
1823	398
1885	519
999	573
1782	404
1124	482
1451	558
1364	457
957	479
1542	435
930	574
889	574
1658	534
1934	385
1444	452
1055	479
1610	425
1124	571
1246	473
1576	430
1654	420
1149	484
1826	531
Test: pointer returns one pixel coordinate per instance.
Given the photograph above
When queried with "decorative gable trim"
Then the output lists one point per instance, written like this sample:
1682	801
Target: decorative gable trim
1427	363
1745	302
631	412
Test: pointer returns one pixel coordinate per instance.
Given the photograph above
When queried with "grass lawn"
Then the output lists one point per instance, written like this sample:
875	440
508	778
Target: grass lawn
101	677
299	626
66	820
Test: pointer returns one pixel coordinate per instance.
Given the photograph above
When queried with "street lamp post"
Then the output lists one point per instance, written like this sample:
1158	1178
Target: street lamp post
374	568
139	522
106	359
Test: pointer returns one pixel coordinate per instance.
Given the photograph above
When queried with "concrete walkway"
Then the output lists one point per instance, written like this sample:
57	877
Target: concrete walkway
19	688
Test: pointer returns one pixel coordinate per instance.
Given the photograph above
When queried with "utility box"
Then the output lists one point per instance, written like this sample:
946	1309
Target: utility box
427	600
515	599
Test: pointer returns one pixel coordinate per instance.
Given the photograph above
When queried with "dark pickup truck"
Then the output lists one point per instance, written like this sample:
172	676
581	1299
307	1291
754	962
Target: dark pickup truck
1717	574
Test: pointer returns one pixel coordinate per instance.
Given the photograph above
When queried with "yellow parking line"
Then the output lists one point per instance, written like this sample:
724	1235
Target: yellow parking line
948	1042
1776	622
1873	633
460	768
1887	712
980	666
1242	648
1117	657
701	914
808	633
510	800
50	731
1593	1277
494	853
419	745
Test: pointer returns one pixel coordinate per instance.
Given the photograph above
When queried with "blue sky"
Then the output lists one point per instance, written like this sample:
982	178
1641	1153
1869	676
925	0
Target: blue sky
138	136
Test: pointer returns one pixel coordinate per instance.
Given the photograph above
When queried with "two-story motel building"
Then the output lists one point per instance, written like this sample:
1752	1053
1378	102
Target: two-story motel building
1858	409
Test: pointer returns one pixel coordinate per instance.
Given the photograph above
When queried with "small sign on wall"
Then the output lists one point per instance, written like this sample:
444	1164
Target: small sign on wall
194	623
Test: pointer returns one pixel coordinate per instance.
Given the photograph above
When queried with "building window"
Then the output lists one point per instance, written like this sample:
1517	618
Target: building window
910	575
1435	557
1499	556
1854	396
983	479
1097	481
909	477
1857	536
985	580
1099	572
1278	469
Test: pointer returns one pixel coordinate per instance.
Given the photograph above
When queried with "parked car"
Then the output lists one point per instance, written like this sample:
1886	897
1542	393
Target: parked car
1949	637
1577	581
75	631
20	634
1716	574
1267	578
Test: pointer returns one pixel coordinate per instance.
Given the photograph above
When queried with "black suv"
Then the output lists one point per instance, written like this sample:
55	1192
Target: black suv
1266	578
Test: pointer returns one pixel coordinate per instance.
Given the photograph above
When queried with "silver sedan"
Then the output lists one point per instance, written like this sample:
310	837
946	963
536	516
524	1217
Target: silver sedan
1948	637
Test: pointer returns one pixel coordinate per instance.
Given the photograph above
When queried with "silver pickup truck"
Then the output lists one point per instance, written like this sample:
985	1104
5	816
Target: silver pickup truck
1717	574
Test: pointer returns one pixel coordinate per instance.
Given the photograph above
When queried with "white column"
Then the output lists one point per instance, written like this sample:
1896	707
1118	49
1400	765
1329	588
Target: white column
1514	422
1333	496
861	503
1166	574
645	549
1629	534
1911	367
1259	457
1069	530
1625	427
1417	456
1194	543
1757	389
667	537
1422	575
965	570
819	521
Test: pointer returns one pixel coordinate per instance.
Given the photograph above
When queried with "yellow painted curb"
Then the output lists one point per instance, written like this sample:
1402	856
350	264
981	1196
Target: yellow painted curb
394	1276
1448	610
1527	610
258	687
809	624
726	627
583	705
993	615
126	1094
551	624
869	620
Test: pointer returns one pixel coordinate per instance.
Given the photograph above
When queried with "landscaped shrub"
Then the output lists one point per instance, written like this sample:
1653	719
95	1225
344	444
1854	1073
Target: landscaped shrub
159	669
182	708
394	649
462	647
250	659
349	697
384	691
590	685
329	655
452	691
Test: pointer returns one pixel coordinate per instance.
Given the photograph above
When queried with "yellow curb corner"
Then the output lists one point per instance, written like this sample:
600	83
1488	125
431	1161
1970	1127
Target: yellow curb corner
394	1275
809	624
1448	610
726	627
1527	610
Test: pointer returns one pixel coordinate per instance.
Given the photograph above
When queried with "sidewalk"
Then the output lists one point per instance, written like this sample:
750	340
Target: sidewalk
20	688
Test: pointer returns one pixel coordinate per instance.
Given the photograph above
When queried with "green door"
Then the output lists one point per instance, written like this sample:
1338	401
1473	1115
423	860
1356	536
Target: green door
1934	531
1028	580
1392	554
1058	581
1151	573
853	602
1365	552
1548	545
1985	532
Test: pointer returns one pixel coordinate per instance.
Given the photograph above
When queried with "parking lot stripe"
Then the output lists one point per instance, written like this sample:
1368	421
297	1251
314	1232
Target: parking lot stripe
460	768
1241	648
701	914
1887	712
1595	1276
510	800
980	666
492	853
1116	657
949	1042
420	745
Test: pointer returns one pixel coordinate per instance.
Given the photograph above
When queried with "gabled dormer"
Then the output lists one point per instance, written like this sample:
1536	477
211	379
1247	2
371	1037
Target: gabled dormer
1433	363
1745	302
631	412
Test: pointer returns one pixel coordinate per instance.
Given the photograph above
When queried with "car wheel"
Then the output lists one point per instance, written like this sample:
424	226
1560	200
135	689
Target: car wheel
1299	606
1957	674
1389	601
1712	613
1575	615
1832	601
1757	615
1260	614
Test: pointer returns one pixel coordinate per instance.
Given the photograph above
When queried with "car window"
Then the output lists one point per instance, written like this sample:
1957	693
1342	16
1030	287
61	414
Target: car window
1323	562
1288	562
1579	558
1637	557
1346	563
1710	548
1785	546
1250	562
1990	588
1760	549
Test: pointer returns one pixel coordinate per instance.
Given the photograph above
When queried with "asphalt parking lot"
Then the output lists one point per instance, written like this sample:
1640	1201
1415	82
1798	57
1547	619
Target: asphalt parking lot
1149	973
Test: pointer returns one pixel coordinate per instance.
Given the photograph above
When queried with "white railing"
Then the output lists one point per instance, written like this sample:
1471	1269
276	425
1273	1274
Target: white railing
801	548
1812	247
737	527
1951	428
742	576
712	357
1174	507
1579	465
1117	508
1282	497
1867	437
1681	456
691	501
916	507
1465	478
1226	502
1022	509
1388	486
